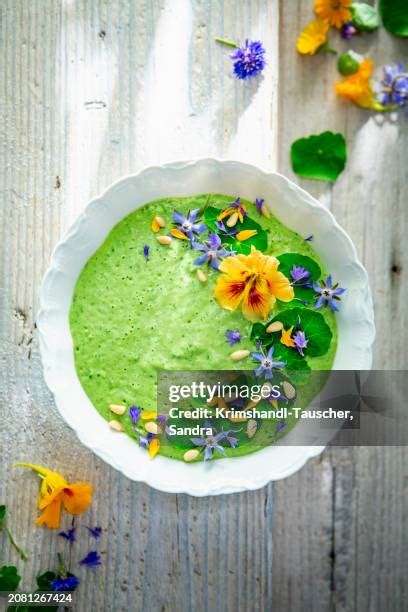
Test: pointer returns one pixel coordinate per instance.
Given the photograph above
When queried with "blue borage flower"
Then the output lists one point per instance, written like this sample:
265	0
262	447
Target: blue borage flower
299	273
94	531
267	364
328	294
146	252
188	225
68	535
69	583
233	336
393	89
300	341
213	251
211	442
92	559
226	230
249	60
134	413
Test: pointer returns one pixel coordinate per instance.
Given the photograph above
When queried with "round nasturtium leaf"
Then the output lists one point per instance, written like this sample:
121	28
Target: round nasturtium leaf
317	332
394	15
321	157
364	17
287	261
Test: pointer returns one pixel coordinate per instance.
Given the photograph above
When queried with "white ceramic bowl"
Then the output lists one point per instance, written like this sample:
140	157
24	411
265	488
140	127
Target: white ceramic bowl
296	209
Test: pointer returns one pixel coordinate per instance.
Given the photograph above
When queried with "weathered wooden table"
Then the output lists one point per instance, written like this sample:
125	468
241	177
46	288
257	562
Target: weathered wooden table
92	90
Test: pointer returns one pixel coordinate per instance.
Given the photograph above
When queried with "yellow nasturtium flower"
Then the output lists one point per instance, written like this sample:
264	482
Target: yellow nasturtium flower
313	37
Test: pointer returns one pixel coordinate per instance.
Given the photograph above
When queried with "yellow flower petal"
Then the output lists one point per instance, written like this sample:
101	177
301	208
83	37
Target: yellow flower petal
313	37
178	234
245	235
286	337
154	447
155	227
148	415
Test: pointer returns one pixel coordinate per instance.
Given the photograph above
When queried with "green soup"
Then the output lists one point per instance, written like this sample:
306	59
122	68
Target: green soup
131	317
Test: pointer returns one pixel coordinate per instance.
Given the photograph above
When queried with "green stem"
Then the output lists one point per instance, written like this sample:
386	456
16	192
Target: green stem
20	551
223	41
62	570
326	49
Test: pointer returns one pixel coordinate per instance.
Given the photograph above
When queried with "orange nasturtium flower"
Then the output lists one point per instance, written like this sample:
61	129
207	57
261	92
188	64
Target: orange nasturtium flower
313	37
335	12
55	491
254	282
357	87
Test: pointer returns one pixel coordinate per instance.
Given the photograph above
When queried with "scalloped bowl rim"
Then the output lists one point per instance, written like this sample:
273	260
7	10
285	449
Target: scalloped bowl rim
224	476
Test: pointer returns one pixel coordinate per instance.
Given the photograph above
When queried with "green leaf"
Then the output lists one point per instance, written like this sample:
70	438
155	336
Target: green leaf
364	17
348	63
44	580
321	157
394	15
259	241
312	323
2	515
288	260
9	578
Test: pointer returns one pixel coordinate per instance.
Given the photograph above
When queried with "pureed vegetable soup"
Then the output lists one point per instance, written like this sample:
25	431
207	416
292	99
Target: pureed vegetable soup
208	282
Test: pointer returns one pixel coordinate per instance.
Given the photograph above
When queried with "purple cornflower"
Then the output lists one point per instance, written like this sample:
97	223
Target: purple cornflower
249	60
300	341
68	535
233	336
259	205
188	225
145	440
69	583
95	531
393	89
281	426
298	273
134	413
211	442
146	252
328	294
267	363
92	559
226	230
348	31
213	251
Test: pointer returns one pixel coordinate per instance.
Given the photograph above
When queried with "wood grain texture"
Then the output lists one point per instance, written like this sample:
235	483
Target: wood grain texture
92	90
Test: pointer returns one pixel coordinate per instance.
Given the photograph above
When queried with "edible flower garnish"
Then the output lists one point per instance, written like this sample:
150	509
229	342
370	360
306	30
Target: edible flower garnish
286	337
55	491
226	230
210	442
92	559
68	535
300	341
144	441
254	282
154	447
348	31
328	294
187	227
281	426
146	253
357	87
267	364
235	207
69	583
233	336
334	12
213	251
298	273
249	60
134	413
313	37
393	89
95	531
246	235
259	203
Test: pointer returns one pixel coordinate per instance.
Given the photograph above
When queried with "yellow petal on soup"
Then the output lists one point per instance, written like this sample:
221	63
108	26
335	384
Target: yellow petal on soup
155	227
178	234
154	447
286	337
245	235
148	415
